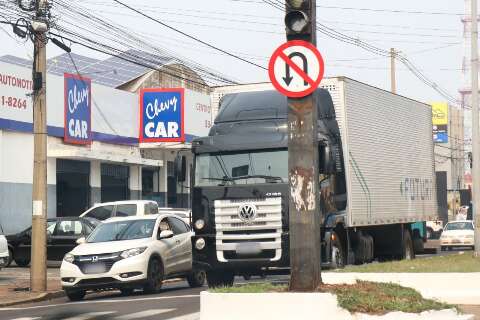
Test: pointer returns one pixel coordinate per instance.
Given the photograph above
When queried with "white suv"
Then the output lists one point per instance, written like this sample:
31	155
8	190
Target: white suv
4	254
128	253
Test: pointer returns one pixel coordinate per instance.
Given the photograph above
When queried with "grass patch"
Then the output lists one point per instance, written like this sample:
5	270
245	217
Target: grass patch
251	288
363	297
451	263
381	298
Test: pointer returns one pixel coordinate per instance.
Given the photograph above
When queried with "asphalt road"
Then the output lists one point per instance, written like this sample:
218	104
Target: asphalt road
176	301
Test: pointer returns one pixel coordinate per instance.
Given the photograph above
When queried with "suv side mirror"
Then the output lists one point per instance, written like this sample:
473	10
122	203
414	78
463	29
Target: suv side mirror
165	234
180	165
81	240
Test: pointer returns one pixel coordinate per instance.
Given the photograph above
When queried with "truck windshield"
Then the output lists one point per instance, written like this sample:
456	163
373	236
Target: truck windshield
250	167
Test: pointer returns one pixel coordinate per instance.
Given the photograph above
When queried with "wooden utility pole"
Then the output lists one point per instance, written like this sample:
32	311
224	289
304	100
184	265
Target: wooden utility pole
304	209
393	80
475	128
38	271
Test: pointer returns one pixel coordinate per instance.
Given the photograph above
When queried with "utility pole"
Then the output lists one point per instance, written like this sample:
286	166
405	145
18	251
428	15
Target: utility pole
305	216
475	129
393	80
38	271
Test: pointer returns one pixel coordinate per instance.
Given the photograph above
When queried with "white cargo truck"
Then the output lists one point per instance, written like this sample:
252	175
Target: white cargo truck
376	170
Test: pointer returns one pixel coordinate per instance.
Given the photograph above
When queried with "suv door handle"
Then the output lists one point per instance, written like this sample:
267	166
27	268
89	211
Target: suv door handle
178	241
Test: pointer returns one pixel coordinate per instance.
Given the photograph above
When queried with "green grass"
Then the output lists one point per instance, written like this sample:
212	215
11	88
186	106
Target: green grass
381	298
364	297
451	263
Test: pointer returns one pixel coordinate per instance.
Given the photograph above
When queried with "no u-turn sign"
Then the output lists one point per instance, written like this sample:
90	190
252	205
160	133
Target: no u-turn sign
296	68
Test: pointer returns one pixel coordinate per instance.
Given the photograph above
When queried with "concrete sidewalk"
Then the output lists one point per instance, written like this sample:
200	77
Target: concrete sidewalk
455	288
15	282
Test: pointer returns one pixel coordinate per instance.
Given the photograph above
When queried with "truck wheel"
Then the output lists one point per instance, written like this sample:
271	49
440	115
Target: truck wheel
220	278
408	253
337	256
75	295
196	278
22	262
154	276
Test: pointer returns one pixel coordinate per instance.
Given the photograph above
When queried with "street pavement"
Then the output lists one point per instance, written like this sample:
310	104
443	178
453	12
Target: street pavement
177	301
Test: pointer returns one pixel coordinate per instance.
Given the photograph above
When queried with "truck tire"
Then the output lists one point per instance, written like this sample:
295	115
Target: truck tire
337	253
154	276
22	262
408	252
196	278
220	278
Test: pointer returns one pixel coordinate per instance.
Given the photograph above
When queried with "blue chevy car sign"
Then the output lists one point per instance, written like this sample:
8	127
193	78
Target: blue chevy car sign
78	112
162	115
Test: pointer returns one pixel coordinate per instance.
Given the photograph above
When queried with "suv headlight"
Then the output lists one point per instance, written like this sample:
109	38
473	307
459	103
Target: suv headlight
199	224
69	257
132	252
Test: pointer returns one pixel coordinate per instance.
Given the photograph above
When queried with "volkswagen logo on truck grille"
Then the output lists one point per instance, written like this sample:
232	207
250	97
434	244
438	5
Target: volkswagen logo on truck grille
247	213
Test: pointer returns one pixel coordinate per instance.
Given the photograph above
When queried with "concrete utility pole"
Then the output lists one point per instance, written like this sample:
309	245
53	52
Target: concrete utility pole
38	271
393	80
305	215
475	129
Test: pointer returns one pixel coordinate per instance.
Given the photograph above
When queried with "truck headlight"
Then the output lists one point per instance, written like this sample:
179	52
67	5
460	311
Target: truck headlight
200	243
132	252
199	224
69	257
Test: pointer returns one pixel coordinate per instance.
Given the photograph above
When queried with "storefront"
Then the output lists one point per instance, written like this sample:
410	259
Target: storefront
94	151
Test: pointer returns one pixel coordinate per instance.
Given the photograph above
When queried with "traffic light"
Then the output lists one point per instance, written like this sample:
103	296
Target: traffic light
298	20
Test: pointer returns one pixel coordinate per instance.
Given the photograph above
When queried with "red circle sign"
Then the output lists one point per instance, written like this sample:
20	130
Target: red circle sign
291	79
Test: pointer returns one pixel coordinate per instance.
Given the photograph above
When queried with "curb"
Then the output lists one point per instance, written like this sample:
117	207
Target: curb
37	298
56	294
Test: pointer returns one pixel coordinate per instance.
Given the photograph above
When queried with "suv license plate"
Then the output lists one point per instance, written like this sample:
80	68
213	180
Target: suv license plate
95	268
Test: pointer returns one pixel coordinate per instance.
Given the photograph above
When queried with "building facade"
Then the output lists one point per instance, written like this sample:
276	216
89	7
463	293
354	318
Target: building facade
94	154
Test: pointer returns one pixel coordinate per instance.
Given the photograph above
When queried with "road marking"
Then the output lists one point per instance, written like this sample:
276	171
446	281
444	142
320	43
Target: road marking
143	314
90	315
190	316
100	301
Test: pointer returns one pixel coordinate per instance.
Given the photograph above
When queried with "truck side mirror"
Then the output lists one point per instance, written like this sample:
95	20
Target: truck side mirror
326	159
180	168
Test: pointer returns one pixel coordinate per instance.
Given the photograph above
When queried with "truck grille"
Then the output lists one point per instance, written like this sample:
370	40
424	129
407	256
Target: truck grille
252	234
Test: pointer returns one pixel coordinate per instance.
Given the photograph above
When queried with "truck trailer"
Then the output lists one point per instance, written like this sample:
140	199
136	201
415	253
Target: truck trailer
376	178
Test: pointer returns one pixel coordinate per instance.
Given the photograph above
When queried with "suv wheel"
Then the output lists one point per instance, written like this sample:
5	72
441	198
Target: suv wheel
220	278
196	278
76	295
154	276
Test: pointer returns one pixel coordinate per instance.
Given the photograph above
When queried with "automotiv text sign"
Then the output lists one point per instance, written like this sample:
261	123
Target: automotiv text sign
78	113
162	115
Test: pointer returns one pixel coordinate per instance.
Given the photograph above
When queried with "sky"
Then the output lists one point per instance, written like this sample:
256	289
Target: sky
432	40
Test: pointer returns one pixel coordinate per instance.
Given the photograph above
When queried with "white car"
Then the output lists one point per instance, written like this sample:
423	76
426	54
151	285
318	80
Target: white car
4	254
126	208
458	234
184	214
129	253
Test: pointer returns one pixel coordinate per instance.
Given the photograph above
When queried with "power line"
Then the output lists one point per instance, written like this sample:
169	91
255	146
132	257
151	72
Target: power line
189	36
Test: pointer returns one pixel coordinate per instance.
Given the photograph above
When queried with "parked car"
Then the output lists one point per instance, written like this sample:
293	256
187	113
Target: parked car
4	254
458	234
103	211
185	214
62	234
129	253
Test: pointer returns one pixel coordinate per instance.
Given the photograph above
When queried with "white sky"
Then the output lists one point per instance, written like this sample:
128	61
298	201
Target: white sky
255	29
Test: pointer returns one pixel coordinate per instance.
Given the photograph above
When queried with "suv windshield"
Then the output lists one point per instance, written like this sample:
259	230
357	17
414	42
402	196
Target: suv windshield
459	226
122	230
217	169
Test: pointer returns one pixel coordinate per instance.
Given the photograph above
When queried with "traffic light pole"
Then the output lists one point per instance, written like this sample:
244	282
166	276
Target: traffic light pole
475	129
304	209
38	271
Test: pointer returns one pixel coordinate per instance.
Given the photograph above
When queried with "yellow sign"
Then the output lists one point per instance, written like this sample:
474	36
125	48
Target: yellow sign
440	113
